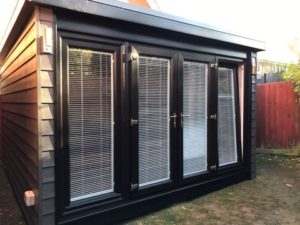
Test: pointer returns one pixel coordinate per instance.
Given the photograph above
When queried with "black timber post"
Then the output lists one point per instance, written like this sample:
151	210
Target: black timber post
250	112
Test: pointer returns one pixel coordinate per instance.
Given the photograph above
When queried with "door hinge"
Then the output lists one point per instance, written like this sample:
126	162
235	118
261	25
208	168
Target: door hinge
213	117
174	117
134	122
123	58
213	167
133	55
134	187
214	65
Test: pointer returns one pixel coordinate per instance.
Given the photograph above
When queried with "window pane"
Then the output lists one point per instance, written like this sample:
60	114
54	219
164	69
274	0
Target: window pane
195	120
153	104
90	123
227	146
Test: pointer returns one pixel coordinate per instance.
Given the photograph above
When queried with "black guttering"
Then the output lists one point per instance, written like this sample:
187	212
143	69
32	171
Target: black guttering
130	13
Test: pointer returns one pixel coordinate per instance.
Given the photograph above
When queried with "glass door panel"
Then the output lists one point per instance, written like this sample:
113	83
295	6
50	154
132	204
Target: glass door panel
194	117
227	142
153	113
90	119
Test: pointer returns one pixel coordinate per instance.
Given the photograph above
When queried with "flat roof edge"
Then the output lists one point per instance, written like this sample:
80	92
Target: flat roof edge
134	14
15	30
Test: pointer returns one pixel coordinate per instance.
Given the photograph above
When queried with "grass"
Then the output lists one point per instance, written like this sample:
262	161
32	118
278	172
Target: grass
272	198
292	151
9	210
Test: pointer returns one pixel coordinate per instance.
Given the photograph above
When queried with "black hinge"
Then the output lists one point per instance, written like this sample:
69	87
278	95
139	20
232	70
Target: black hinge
124	58
213	117
213	167
134	122
134	187
132	54
214	65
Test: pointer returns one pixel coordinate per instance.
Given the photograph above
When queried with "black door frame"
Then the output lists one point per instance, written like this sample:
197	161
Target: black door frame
231	63
64	204
134	51
209	60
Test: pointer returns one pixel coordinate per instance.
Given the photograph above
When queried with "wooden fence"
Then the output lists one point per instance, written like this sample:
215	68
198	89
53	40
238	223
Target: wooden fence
0	130
278	115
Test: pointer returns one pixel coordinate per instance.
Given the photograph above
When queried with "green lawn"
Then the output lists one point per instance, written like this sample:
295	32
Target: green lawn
272	198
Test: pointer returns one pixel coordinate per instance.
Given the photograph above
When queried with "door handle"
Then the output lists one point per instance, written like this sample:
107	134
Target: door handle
174	117
182	116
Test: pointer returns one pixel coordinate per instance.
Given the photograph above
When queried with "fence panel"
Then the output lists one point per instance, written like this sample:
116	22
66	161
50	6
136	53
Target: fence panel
278	115
0	130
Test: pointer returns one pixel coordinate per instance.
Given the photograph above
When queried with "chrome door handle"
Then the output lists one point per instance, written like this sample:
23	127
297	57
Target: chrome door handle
182	116
174	117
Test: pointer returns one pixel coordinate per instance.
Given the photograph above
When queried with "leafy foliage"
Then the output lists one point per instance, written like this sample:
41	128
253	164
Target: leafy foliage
293	74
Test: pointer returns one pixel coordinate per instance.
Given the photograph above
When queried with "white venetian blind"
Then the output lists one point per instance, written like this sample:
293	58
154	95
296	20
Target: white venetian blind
90	123
227	146
195	120
153	104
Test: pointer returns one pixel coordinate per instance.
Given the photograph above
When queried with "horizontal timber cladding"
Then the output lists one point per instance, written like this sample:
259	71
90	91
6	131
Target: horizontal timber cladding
19	117
27	115
45	20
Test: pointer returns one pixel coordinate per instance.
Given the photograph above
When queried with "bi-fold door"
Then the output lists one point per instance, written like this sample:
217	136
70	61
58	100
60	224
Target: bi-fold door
153	124
228	113
194	103
184	119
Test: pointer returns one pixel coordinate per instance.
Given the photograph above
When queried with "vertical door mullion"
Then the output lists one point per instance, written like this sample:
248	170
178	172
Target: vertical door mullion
176	108
125	118
132	57
237	113
180	109
116	122
212	138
